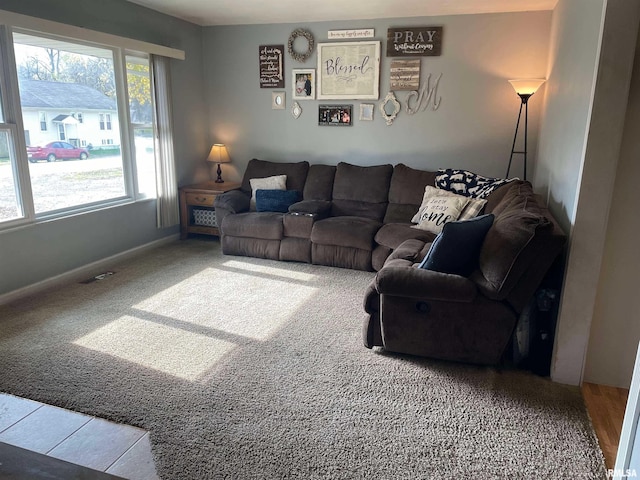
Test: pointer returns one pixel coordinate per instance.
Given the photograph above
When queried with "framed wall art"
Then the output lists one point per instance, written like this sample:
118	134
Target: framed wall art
271	58
278	100
405	74
348	71
366	112
414	41
304	83
335	115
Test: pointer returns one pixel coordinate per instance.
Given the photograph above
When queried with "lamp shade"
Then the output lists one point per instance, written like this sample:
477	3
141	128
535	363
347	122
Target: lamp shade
526	86
218	154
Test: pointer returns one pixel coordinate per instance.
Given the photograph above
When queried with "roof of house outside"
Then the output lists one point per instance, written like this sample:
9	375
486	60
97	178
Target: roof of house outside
69	96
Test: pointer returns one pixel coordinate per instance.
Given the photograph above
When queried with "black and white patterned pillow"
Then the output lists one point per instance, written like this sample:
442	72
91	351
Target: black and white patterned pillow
468	183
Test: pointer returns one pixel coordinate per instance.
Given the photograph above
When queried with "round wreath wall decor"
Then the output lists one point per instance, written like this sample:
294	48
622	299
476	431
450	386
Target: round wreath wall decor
300	32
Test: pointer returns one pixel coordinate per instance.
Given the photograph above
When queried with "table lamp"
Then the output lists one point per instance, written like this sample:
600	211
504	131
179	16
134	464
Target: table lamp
218	154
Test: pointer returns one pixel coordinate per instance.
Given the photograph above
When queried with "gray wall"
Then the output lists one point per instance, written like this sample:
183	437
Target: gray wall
473	128
573	57
615	329
37	252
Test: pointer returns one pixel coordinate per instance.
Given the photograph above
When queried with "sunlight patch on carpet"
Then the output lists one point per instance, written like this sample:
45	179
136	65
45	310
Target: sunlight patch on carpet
270	270
179	353
240	303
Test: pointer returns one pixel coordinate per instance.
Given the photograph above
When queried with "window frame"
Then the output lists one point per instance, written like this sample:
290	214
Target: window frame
11	97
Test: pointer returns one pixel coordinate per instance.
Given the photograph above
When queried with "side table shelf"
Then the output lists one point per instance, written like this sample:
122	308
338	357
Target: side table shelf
197	214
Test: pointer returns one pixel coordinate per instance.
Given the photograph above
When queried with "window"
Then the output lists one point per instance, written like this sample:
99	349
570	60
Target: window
142	122
105	121
68	76
86	83
79	83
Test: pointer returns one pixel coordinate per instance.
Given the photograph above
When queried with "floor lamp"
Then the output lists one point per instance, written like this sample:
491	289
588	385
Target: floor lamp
524	88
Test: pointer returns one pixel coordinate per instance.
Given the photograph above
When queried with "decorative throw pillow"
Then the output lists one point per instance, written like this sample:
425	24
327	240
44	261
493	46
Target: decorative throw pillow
456	249
276	200
277	182
473	208
468	183
440	210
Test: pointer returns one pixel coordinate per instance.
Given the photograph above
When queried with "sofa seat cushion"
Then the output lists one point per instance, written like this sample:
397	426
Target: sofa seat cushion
355	232
393	234
262	225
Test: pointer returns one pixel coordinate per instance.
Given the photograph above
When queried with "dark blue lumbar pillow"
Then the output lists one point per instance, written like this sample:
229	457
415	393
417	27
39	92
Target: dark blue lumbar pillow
457	248
276	200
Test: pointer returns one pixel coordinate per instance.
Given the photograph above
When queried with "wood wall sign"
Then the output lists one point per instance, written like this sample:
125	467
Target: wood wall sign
414	41
405	74
271	66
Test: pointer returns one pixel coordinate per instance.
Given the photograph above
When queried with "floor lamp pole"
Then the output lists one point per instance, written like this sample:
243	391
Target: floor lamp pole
524	97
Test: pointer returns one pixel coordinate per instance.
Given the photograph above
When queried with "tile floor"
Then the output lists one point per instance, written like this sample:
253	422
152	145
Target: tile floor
92	442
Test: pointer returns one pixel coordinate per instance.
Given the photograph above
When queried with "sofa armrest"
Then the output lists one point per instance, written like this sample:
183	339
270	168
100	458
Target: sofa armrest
412	282
235	201
317	208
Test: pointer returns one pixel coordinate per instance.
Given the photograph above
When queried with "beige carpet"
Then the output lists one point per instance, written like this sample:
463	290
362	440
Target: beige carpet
252	369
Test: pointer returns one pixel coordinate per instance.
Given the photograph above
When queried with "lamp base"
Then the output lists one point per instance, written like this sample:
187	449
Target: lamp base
219	172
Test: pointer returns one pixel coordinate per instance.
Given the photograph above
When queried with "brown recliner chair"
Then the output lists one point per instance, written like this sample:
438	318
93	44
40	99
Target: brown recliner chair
451	317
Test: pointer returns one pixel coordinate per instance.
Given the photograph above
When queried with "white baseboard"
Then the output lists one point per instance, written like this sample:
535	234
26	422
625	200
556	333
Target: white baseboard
83	272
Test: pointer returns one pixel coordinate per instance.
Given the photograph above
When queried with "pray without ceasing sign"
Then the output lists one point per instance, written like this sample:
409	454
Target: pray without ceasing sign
414	41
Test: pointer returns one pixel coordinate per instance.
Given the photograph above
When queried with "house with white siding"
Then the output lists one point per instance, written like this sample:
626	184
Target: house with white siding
74	113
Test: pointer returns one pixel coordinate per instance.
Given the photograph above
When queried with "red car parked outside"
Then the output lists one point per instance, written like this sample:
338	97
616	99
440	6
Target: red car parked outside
54	150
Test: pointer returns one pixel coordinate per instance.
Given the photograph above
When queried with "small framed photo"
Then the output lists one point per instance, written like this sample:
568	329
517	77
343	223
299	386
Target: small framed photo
277	100
366	112
335	115
304	83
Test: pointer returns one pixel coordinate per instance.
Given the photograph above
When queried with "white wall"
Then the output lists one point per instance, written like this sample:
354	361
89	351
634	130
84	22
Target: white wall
615	330
589	156
473	128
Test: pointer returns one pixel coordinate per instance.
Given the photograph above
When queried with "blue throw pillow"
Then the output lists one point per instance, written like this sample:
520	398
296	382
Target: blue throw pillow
276	200
457	248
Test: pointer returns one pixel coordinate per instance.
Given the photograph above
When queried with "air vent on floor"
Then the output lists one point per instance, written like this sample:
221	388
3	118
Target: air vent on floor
101	276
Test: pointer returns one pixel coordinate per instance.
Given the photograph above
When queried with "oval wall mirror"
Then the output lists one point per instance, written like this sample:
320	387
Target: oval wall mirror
296	110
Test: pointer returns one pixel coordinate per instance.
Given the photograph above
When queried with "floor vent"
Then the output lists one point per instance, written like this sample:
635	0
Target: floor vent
102	276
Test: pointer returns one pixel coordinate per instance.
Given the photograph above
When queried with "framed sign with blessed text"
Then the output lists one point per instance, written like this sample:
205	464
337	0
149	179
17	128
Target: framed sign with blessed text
348	71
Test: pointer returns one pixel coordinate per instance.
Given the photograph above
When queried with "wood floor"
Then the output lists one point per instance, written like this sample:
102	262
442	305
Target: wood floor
606	407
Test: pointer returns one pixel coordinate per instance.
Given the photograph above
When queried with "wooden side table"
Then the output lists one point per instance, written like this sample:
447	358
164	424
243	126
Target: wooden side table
197	214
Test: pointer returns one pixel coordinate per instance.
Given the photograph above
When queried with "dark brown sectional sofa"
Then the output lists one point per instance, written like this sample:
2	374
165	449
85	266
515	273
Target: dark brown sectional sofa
360	218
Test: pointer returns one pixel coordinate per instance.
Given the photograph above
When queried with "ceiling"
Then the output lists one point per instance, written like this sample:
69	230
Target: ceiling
247	12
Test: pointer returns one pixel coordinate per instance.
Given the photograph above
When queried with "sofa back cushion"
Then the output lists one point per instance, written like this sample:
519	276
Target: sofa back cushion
361	191
501	197
405	193
319	185
296	173
521	241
